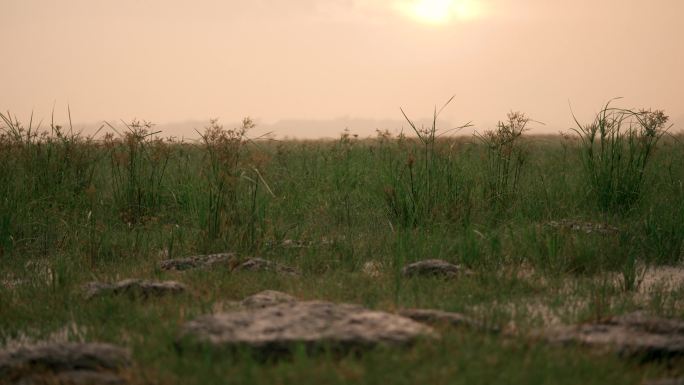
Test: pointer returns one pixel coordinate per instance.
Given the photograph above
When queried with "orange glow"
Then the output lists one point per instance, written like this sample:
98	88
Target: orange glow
440	11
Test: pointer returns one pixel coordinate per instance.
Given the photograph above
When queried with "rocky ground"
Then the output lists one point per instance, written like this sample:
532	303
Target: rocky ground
273	325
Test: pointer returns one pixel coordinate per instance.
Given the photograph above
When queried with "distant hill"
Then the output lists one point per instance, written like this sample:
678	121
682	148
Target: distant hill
290	128
321	129
304	128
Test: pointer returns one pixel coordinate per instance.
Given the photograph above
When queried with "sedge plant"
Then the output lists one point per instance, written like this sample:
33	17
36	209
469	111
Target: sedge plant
425	182
615	151
139	159
234	202
505	158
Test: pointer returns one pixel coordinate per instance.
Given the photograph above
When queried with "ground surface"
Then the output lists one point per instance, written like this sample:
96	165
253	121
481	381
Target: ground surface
346	216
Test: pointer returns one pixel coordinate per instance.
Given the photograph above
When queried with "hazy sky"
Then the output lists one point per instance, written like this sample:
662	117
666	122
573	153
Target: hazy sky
282	61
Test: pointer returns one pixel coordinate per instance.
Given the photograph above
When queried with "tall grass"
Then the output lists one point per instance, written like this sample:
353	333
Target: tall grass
616	149
232	197
55	160
424	183
505	157
138	159
41	169
134	193
662	220
327	214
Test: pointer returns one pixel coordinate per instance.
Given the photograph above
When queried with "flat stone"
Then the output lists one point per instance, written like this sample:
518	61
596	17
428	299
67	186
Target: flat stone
632	335
134	288
665	381
433	268
583	226
260	264
200	262
289	243
439	317
266	298
65	358
74	377
314	324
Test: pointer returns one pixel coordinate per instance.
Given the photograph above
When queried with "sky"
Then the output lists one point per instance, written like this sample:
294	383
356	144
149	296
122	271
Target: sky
310	68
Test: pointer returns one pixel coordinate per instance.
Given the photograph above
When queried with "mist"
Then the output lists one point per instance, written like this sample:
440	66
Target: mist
283	62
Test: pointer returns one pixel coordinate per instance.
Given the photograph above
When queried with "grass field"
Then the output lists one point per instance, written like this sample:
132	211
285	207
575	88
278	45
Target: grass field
506	204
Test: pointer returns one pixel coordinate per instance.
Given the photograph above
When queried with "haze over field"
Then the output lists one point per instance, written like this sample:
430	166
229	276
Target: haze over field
311	68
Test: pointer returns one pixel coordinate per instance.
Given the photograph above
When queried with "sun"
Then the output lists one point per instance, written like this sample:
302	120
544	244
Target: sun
439	11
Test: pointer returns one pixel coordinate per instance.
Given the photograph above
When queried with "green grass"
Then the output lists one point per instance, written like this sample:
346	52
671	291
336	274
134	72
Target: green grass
73	209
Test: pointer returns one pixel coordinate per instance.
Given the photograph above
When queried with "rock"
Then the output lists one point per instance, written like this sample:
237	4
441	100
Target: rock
582	226
289	243
199	262
259	264
71	363
62	356
439	317
665	381
266	298
134	288
314	324
433	268
632	335
75	377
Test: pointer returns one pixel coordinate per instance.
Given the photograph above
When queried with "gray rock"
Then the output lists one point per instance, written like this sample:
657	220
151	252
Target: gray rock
289	243
200	262
314	324
260	264
632	335
62	359
583	226
665	381
433	268
74	377
266	298
439	317
134	288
